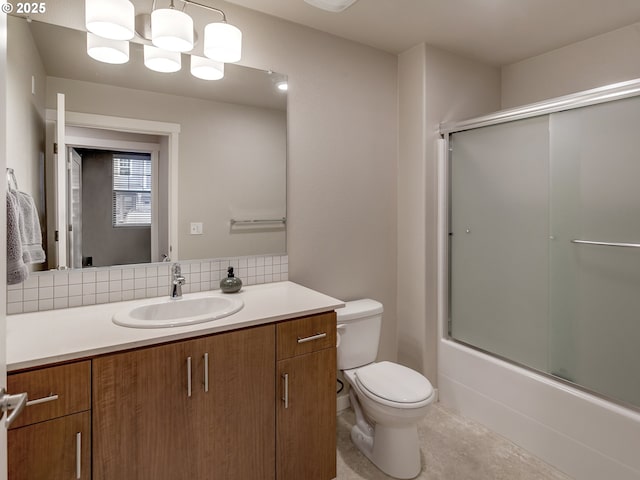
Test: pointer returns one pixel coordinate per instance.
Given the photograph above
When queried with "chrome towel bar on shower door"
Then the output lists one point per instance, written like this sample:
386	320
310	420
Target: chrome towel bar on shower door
607	244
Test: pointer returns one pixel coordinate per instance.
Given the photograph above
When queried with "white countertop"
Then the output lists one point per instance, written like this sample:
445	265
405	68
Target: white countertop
41	338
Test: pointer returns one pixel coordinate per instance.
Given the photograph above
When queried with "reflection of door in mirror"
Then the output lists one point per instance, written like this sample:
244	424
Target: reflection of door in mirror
113	196
116	207
75	208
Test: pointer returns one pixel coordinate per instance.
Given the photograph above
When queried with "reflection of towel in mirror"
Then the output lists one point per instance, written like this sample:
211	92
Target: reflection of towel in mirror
17	271
30	234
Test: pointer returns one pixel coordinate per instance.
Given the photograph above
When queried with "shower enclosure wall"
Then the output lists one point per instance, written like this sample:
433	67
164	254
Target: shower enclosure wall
544	237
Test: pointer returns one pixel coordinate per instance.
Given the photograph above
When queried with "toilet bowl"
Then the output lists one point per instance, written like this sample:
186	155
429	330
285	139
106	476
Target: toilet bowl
388	399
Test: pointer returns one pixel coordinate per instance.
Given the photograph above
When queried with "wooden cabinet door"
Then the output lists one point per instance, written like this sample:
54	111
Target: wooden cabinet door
306	422
58	449
143	417
147	427
237	413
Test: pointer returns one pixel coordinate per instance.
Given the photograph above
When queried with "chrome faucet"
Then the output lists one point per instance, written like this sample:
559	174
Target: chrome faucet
177	282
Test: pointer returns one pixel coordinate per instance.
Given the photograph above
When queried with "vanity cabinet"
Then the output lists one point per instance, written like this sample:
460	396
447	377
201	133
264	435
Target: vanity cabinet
250	404
306	407
199	409
51	438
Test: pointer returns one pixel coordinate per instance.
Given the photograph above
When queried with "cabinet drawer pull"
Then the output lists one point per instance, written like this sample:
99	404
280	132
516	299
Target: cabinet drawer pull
285	397
78	455
188	376
206	372
37	401
317	336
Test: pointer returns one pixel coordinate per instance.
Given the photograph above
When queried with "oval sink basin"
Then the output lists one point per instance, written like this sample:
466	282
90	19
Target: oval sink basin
178	313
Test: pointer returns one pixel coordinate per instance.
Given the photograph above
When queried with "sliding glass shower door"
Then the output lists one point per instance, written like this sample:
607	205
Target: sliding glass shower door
544	224
595	287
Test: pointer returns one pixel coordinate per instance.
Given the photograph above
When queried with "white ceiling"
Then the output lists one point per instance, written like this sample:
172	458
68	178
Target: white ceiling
496	32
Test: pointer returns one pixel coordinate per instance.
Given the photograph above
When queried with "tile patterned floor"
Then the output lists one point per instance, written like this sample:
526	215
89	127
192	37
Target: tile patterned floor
453	448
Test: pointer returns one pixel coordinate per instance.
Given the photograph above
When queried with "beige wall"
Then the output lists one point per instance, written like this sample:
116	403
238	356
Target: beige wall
25	130
342	158
342	169
608	58
434	86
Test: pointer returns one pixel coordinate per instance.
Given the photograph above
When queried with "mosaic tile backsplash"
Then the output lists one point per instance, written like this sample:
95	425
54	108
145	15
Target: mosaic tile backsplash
90	286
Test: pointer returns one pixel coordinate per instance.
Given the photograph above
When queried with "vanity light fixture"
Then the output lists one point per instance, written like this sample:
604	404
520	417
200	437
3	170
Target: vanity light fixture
107	50
206	69
112	19
334	6
160	60
171	32
282	86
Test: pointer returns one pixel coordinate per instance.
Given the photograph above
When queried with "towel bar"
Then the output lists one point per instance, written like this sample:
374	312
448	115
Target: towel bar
233	221
606	244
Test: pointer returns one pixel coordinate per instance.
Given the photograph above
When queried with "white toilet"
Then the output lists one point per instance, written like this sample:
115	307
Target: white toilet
388	399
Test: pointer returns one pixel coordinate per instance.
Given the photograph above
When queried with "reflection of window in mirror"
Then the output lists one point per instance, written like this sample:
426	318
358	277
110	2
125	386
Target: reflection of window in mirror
131	190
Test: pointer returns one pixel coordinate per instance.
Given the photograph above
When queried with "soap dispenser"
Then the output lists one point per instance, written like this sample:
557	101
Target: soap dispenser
231	284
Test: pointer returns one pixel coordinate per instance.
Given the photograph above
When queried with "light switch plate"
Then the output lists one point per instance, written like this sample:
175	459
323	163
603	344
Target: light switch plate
196	228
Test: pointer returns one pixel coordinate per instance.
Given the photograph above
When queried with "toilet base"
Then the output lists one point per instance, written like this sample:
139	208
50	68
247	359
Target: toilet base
390	449
394	450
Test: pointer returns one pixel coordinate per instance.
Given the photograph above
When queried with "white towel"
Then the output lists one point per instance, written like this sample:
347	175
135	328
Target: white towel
30	234
17	271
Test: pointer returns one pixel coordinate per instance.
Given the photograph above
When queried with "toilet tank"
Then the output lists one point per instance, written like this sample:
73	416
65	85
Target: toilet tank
359	325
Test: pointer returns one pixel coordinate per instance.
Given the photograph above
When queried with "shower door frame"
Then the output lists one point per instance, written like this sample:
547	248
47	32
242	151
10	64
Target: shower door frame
600	95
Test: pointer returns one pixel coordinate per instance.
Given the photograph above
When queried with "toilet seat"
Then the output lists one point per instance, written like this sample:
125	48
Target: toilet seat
394	385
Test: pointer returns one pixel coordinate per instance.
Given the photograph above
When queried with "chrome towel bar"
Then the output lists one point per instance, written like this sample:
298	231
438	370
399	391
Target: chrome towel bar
607	244
233	221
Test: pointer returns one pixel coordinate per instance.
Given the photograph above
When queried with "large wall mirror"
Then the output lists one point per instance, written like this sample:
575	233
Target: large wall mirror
158	165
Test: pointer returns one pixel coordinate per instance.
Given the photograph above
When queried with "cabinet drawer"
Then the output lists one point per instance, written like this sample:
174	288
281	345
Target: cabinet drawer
306	335
52	391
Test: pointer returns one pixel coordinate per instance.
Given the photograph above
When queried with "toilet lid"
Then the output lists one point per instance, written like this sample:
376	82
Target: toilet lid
394	382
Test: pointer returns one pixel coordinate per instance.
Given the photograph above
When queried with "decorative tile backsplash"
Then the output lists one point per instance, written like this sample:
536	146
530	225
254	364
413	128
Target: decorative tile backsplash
74	288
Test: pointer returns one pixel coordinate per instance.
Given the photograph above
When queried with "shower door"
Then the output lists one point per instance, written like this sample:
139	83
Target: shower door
499	239
544	237
594	289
